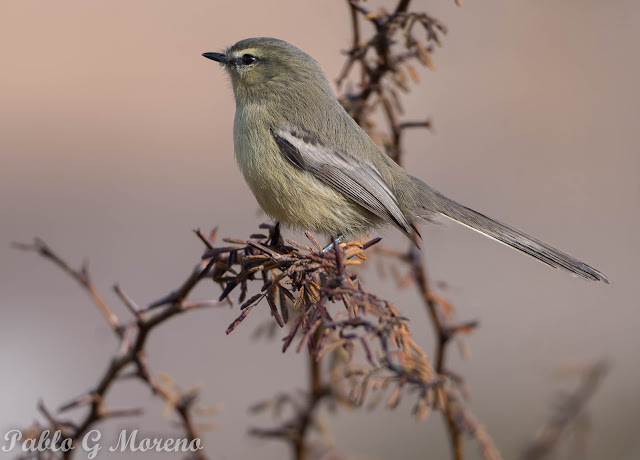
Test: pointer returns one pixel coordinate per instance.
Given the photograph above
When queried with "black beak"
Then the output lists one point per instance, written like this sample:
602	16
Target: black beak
220	57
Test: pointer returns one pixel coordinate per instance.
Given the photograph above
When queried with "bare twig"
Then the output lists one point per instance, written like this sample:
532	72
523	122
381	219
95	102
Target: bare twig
81	276
567	412
131	352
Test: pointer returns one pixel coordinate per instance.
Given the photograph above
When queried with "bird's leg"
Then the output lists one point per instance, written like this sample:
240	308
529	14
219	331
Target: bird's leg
329	247
275	238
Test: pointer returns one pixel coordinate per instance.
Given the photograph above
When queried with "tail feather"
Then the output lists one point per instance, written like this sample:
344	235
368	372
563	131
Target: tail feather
513	237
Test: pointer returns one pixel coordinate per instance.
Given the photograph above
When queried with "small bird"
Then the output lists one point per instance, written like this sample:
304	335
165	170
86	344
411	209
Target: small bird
311	166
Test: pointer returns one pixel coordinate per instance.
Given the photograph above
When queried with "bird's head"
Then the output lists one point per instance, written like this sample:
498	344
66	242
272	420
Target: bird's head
259	67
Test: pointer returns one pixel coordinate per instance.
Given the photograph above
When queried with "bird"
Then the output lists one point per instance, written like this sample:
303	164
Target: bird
310	166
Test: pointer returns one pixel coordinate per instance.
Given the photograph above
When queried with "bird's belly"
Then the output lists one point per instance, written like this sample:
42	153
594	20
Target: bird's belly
297	199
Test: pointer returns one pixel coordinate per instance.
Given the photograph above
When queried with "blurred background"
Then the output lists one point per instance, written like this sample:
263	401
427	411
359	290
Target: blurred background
115	142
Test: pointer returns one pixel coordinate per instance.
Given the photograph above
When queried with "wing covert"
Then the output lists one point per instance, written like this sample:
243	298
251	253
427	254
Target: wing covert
359	181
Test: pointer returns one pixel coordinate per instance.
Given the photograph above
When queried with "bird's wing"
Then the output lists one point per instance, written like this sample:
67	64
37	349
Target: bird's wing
359	181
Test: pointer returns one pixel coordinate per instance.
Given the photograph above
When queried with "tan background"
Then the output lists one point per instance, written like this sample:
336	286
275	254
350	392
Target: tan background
115	142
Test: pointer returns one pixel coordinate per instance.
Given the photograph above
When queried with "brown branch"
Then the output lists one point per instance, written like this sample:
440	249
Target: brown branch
81	276
131	352
386	74
402	7
319	280
306	417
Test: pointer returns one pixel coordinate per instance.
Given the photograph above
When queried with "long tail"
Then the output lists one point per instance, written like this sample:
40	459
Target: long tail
508	235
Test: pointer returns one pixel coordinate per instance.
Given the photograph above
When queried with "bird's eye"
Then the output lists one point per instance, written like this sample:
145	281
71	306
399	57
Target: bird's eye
248	59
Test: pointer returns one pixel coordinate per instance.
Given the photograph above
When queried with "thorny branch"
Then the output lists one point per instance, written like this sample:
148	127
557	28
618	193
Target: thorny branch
385	62
304	281
130	359
384	70
310	284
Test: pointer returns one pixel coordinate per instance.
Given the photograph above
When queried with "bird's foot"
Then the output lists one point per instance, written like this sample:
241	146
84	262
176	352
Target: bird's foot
329	247
275	237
